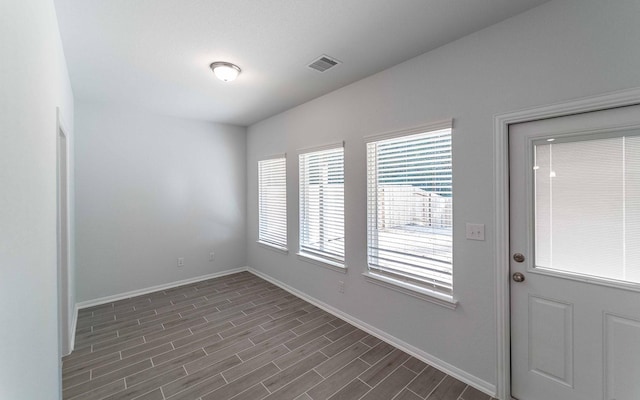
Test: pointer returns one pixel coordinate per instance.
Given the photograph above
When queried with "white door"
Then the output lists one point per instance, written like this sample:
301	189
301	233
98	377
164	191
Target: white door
575	250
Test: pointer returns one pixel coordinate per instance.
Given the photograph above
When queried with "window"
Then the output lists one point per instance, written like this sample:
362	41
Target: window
409	203
322	205
272	202
587	205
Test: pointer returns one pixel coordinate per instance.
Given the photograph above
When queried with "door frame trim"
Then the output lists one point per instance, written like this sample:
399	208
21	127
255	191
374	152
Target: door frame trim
501	206
64	343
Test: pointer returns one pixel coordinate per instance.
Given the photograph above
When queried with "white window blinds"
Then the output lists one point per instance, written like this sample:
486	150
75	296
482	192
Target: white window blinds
322	204
272	202
410	209
587	205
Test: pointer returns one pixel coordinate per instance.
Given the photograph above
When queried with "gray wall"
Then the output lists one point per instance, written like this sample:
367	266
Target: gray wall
150	189
558	51
33	82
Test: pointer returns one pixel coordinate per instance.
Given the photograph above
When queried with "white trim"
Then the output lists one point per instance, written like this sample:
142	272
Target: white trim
324	147
416	291
501	254
323	262
501	204
74	324
273	247
430	127
588	279
151	289
61	132
443	366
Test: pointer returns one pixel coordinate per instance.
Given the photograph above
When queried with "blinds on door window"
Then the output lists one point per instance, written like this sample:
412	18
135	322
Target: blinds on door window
272	202
587	205
322	204
410	214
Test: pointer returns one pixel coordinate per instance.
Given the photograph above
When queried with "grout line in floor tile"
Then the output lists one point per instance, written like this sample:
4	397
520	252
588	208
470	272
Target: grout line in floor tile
214	292
417	395
365	393
436	386
358	377
422	369
409	383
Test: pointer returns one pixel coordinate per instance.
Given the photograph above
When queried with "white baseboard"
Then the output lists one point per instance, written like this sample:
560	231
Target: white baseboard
443	366
134	293
151	289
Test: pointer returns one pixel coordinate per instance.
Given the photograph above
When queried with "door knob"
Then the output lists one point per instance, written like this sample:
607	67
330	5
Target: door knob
518	277
518	257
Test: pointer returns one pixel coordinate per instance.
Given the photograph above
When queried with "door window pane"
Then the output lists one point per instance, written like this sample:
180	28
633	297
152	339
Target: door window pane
587	206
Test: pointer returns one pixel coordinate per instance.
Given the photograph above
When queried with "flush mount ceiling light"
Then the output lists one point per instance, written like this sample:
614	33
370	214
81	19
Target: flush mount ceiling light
225	71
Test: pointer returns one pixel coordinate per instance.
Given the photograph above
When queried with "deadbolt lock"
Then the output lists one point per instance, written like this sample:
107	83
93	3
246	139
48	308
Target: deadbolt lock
518	257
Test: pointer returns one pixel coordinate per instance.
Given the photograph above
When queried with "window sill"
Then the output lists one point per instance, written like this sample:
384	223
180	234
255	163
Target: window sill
273	247
334	266
432	296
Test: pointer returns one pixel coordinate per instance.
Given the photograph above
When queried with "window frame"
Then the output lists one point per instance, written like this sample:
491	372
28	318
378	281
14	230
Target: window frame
307	254
278	246
376	274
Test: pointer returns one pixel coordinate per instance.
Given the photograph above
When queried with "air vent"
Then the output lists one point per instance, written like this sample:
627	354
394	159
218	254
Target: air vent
324	63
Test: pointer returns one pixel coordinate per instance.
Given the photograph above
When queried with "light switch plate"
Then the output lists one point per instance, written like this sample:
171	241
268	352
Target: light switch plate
475	231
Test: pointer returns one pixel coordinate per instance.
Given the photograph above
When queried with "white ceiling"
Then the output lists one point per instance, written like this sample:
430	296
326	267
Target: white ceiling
155	54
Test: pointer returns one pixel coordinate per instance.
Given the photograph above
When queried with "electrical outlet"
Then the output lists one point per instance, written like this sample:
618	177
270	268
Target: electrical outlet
180	262
340	286
475	231
212	255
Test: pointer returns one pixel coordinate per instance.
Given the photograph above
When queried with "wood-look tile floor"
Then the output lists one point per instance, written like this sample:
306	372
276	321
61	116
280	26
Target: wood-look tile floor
239	337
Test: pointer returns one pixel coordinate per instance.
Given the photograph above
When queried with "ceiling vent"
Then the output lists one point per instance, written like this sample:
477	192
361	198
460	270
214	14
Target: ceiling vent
324	63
